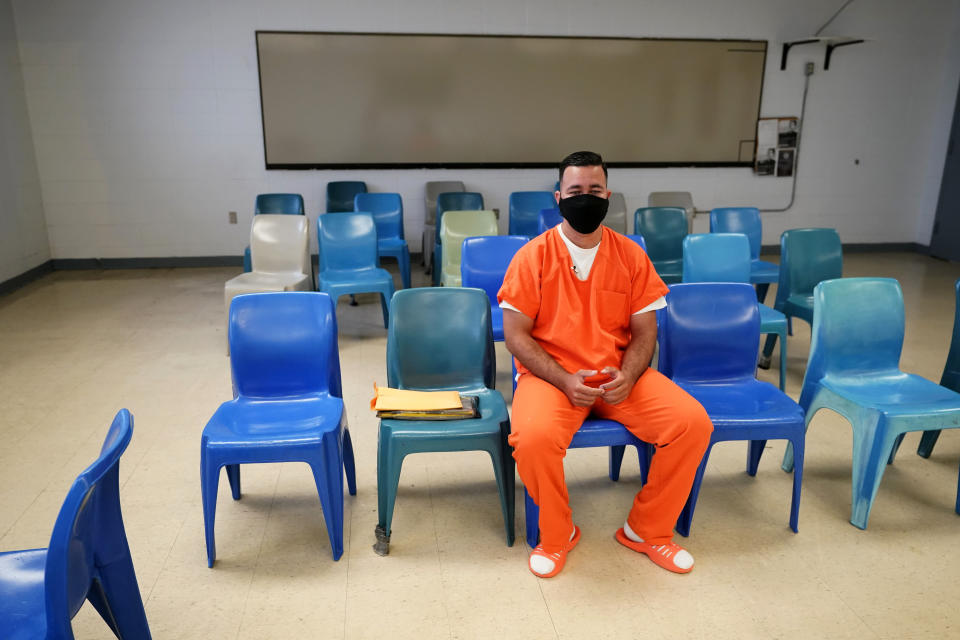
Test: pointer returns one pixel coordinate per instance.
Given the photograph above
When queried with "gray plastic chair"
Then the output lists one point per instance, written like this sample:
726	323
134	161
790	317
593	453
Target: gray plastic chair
617	213
432	190
682	199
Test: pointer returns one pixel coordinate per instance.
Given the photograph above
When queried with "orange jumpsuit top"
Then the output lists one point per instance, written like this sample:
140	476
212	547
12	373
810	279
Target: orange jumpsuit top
581	324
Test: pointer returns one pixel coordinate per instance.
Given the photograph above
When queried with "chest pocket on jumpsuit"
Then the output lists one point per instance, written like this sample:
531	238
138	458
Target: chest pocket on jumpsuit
611	310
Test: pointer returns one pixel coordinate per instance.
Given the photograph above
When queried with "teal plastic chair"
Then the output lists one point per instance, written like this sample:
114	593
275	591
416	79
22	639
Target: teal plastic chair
747	220
285	203
450	201
807	257
347	247
950	379
41	590
664	229
387	211
340	194
725	257
854	369
454	354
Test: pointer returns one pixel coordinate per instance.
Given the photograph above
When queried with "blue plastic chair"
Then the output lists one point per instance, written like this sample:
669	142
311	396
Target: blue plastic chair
594	432
387	210
854	369
451	201
636	237
347	245
41	590
747	220
288	404
664	229
708	335
483	263
285	203
725	257
340	194
548	219
525	208
950	379
807	257
455	354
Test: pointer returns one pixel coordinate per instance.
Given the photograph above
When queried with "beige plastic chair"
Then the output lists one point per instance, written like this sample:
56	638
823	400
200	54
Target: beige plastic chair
429	238
279	257
454	228
681	199
617	213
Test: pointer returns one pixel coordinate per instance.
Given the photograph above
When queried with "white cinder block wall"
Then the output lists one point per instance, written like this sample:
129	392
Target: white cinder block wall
23	230
146	124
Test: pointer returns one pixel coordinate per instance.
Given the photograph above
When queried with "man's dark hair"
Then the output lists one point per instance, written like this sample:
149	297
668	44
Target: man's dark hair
582	159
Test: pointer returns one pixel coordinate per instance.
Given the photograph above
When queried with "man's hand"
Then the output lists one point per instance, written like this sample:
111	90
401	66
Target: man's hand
619	387
581	395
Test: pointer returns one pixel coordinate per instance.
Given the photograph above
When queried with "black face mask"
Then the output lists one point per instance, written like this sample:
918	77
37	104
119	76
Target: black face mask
584	212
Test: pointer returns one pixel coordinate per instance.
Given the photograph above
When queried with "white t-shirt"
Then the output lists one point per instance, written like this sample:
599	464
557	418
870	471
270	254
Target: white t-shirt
582	263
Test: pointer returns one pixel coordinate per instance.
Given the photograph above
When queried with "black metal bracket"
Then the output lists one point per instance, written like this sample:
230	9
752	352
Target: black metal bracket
832	43
831	46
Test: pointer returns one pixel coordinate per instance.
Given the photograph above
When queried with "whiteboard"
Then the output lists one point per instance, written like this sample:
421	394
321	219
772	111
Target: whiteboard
363	100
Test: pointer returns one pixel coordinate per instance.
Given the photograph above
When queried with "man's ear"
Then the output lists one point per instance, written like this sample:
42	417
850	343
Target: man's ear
556	195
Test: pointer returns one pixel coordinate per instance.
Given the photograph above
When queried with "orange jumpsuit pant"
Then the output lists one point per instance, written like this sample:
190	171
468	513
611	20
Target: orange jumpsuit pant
656	411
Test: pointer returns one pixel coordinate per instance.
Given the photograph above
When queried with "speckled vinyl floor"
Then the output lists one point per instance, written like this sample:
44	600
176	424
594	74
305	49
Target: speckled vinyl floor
77	346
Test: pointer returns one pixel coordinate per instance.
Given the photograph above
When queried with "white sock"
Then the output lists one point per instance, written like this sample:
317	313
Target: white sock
544	564
682	559
630	533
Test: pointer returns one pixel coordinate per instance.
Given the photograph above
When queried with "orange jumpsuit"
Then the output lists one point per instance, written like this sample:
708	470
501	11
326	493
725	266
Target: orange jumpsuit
586	325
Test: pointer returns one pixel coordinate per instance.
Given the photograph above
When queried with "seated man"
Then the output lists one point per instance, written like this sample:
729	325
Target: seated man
579	304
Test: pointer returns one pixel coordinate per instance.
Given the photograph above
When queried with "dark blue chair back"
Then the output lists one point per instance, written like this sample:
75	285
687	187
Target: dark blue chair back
458	201
663	228
288	203
548	219
340	194
744	220
440	338
525	208
387	210
347	241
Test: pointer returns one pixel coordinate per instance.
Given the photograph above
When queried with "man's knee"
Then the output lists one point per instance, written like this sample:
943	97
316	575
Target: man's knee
698	423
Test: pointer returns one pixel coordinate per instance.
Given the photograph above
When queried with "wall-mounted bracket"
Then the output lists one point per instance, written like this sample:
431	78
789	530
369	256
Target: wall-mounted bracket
832	43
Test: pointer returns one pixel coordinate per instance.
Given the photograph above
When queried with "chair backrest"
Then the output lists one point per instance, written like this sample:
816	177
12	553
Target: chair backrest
617	213
387	210
709	332
807	257
484	261
739	220
440	338
548	219
525	208
278	243
663	228
682	199
89	534
346	241
284	344
340	194
434	189
636	237
951	371
286	203
716	257
857	329
458	201
456	226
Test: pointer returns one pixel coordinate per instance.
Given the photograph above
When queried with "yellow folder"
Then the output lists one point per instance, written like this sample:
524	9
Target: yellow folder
388	399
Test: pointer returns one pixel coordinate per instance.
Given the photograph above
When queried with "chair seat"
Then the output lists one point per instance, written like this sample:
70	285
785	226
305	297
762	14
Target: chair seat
801	306
22	598
599	432
391	244
772	321
670	271
493	411
240	423
749	404
761	271
261	282
899	394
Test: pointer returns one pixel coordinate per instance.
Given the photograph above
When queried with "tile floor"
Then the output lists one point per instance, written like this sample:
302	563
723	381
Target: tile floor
77	346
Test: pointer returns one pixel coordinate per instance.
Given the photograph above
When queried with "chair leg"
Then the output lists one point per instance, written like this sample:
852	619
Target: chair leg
644	459
927	441
233	476
385	306
328	476
769	344
783	362
389	464
762	288
686	516
404	261
616	459
209	481
870	455
754	453
531	514
798	446
116	597
896	447
349	466
499	472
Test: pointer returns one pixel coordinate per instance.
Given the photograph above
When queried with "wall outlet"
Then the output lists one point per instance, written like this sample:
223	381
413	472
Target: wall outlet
808	69
232	217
